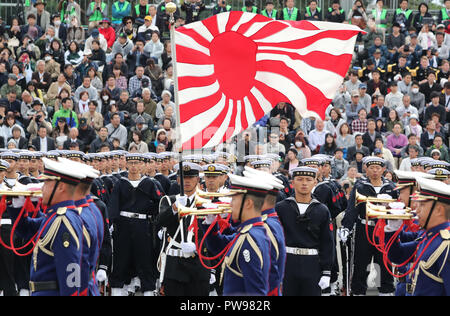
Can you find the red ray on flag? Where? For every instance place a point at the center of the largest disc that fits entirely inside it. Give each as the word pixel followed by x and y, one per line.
pixel 234 67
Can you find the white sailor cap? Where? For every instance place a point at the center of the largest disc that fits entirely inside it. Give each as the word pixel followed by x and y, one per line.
pixel 3 165
pixel 190 169
pixel 371 160
pixel 213 169
pixel 408 178
pixel 239 184
pixel 432 190
pixel 88 173
pixel 438 173
pixel 439 164
pixel 60 171
pixel 313 161
pixel 261 163
pixel 304 172
pixel 270 179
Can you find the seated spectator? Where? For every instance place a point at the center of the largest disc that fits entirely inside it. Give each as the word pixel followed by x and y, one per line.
pixel 360 124
pixel 392 120
pixel 352 176
pixel 112 88
pixel 86 86
pixel 102 138
pixel 341 99
pixel 441 129
pixel 339 165
pixel 96 82
pixel 379 110
pixel 379 61
pixel 108 32
pixel 83 104
pixel 413 152
pixel 430 86
pixel 42 142
pixel 86 134
pixel 73 55
pixel 66 113
pixel 357 162
pixel 301 145
pixel 406 110
pixel 141 127
pixel 20 141
pixel 120 78
pixel 426 38
pixel 149 103
pixel 166 96
pixel 11 85
pixel 55 89
pixel 418 19
pixel 353 82
pixel 393 99
pixel 344 139
pixel 334 123
pixel 154 48
pixel 417 97
pixel 308 124
pixel 427 137
pixel 404 85
pixel 386 154
pixel 396 141
pixel 126 106
pixel 413 126
pixel 60 132
pixel 395 40
pixel 380 126
pixel 329 146
pixel 117 130
pixel 376 85
pixel 9 123
pixel 38 119
pixel 160 140
pixel 73 138
pixel 438 144
pixel 364 98
pixel 123 46
pixel 41 78
pixel 435 107
pixel 93 118
pixel 283 109
pixel 291 160
pixel 357 147
pixel 335 13
pixel 141 146
pixel 274 146
pixel 371 134
pixel 378 45
pixel 352 108
pixel 316 137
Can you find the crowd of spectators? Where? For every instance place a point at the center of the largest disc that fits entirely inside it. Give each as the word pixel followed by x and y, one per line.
pixel 65 86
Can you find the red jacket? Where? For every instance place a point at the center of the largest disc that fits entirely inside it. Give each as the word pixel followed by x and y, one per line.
pixel 109 34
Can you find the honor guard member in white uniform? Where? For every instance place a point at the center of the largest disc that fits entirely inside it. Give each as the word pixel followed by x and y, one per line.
pixel 309 237
pixel 133 203
pixel 181 271
pixel 375 184
pixel 431 275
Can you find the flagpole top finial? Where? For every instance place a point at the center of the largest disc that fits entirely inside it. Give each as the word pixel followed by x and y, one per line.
pixel 171 7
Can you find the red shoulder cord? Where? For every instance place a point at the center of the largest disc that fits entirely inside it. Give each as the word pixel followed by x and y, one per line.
pixel 385 248
pixel 28 205
pixel 199 247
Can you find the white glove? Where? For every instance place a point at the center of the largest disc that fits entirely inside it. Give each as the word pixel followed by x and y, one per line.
pixel 160 234
pixel 18 202
pixel 209 219
pixel 324 282
pixel 393 225
pixel 212 278
pixel 343 234
pixel 180 201
pixel 188 248
pixel 210 205
pixel 101 276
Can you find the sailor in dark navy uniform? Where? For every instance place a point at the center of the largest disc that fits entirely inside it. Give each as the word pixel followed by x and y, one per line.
pixel 133 203
pixel 431 274
pixel 375 184
pixel 309 237
pixel 55 267
pixel 181 272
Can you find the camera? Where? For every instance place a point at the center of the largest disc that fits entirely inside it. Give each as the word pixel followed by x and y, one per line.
pixel 38 117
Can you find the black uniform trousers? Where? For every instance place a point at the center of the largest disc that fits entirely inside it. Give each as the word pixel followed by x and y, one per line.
pixel 302 276
pixel 7 258
pixel 364 252
pixel 132 247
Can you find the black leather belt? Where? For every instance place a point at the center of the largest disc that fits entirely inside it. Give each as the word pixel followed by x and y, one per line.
pixel 43 286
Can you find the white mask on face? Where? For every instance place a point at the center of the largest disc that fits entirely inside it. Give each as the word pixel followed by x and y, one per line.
pixel 57 23
pixel 298 144
pixel 415 90
pixel 105 97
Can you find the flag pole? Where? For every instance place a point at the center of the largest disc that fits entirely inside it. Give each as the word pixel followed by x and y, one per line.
pixel 171 8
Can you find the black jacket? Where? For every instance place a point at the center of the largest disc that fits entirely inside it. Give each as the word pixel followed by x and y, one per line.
pixel 50 143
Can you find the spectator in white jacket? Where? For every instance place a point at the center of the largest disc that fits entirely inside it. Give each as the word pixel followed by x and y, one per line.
pixel 154 48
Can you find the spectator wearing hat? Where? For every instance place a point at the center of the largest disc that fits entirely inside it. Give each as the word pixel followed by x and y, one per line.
pixel 93 118
pixel 147 28
pixel 353 107
pixel 435 107
pixel 379 61
pixel 16 136
pixel 161 105
pixel 95 35
pixel 86 134
pixel 11 85
pixel 395 40
pixel 413 126
pixel 108 32
pixel 141 126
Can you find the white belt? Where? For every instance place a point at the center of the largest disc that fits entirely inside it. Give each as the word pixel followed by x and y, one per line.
pixel 133 215
pixel 5 221
pixel 179 253
pixel 369 222
pixel 302 251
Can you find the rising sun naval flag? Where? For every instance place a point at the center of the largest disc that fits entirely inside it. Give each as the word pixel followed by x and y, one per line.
pixel 234 67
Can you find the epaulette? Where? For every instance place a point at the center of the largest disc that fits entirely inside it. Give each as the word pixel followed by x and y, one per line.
pixel 380 69
pixel 246 229
pixel 445 234
pixel 389 67
pixel 272 238
pixel 361 72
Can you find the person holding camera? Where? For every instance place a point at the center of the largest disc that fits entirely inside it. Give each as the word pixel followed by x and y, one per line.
pixel 193 8
pixel 96 12
pixel 38 120
pixel 221 6
pixel 403 16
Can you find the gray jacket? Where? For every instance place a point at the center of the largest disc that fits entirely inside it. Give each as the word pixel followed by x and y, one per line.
pixel 418 100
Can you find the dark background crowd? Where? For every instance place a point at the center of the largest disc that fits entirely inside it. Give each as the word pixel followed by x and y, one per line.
pixel 78 78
